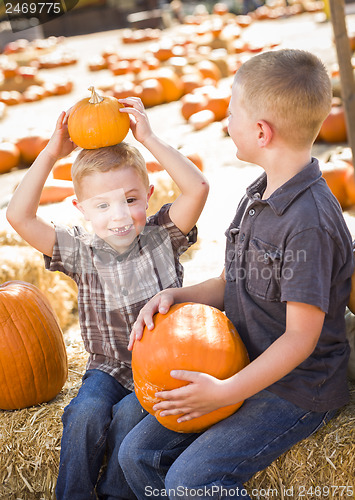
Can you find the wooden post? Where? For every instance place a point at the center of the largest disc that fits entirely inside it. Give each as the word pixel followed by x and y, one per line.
pixel 337 13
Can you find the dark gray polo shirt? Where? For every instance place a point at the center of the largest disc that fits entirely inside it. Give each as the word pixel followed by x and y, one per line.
pixel 294 246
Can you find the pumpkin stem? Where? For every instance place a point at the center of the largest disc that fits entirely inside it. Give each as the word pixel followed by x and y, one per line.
pixel 95 97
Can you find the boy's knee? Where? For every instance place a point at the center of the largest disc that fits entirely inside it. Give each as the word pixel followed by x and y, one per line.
pixel 127 414
pixel 83 412
pixel 127 455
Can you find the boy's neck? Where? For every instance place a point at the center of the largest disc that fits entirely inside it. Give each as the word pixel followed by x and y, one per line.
pixel 281 170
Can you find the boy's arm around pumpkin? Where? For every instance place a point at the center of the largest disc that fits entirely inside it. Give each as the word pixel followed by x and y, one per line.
pixel 22 209
pixel 193 185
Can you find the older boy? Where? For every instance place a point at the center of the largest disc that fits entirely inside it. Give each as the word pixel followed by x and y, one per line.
pixel 285 286
pixel 117 270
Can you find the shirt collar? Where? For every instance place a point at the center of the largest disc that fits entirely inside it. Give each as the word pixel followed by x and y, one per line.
pixel 280 199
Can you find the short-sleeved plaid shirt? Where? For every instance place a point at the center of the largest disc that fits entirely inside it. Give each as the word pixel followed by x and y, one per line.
pixel 113 287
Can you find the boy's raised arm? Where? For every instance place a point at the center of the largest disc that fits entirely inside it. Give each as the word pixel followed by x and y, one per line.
pixel 22 210
pixel 193 185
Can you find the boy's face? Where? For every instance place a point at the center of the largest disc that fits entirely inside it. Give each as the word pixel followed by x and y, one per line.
pixel 241 127
pixel 115 202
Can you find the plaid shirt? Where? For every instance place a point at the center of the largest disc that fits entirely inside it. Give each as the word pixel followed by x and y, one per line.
pixel 113 287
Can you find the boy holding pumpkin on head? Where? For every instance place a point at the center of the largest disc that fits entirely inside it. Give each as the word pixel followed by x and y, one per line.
pixel 117 270
pixel 285 286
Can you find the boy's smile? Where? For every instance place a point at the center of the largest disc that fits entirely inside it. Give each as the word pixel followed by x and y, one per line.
pixel 115 203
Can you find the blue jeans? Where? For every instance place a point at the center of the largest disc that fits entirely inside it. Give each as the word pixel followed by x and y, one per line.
pixel 158 462
pixel 93 426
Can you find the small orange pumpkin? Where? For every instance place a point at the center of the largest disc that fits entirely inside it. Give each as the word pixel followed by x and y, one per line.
pixel 172 85
pixel 152 92
pixel 33 357
pixel 351 304
pixel 30 146
pixel 9 156
pixel 193 337
pixel 336 173
pixel 62 167
pixel 56 190
pixel 96 122
pixel 201 119
pixel 333 128
pixel 192 103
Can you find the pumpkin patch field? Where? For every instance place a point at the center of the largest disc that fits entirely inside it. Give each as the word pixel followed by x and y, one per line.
pixel 183 74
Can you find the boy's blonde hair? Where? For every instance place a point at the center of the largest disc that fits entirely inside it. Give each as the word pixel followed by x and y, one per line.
pixel 288 88
pixel 108 158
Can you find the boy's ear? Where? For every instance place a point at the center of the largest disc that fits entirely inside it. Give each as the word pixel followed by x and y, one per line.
pixel 78 205
pixel 265 133
pixel 149 194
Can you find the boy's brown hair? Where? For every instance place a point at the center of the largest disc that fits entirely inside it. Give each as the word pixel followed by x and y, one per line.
pixel 121 155
pixel 290 89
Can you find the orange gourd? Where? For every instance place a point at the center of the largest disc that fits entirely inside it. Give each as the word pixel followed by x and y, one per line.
pixel 192 103
pixel 30 147
pixel 189 337
pixel 172 85
pixel 336 173
pixel 62 167
pixel 33 358
pixel 201 119
pixel 56 190
pixel 151 92
pixel 218 102
pixel 96 122
pixel 333 128
pixel 9 156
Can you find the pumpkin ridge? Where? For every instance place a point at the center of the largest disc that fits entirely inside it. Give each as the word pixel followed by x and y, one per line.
pixel 11 350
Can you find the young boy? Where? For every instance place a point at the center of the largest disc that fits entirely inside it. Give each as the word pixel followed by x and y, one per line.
pixel 285 286
pixel 117 270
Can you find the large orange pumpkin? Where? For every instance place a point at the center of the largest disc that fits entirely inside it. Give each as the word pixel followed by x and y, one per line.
pixel 189 337
pixel 96 122
pixel 33 358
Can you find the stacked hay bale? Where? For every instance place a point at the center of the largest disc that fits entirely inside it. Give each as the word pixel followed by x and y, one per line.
pixel 21 262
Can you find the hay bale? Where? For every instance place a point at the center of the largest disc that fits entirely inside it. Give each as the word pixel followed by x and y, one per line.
pixel 24 263
pixel 165 191
pixel 31 441
pixel 325 460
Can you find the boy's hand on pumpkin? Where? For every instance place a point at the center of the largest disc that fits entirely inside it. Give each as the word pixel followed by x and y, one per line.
pixel 161 303
pixel 202 395
pixel 60 144
pixel 139 122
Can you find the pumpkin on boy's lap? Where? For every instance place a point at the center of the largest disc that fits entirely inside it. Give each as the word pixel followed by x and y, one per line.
pixel 193 337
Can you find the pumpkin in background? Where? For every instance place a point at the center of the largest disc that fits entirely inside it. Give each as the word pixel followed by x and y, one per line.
pixel 33 357
pixel 96 122
pixel 192 103
pixel 189 337
pixel 336 173
pixel 351 304
pixel 151 92
pixel 56 190
pixel 333 128
pixel 30 147
pixel 172 85
pixel 62 167
pixel 201 119
pixel 9 156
